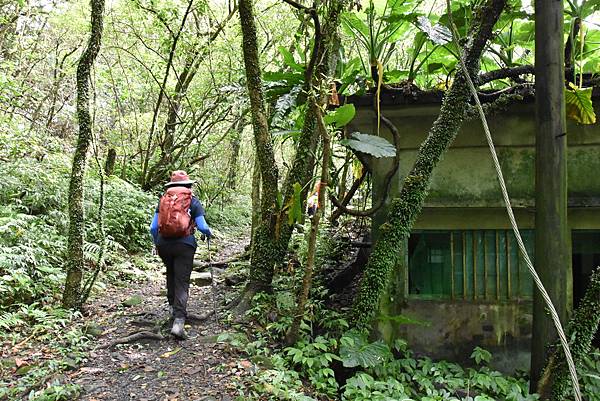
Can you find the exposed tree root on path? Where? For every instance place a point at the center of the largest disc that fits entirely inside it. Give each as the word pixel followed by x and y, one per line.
pixel 152 364
pixel 140 335
pixel 157 325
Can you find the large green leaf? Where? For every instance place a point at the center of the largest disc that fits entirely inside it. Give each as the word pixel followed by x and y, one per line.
pixel 433 67
pixel 341 116
pixel 370 144
pixel 402 6
pixel 579 105
pixel 353 25
pixel 592 64
pixel 288 58
pixel 395 76
pixel 355 351
pixel 590 7
pixel 289 78
pixel 523 31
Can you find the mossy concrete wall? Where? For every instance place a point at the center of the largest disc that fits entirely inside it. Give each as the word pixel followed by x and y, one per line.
pixel 465 194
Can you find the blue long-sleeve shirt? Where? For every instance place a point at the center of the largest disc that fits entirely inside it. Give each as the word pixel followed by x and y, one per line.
pixel 197 213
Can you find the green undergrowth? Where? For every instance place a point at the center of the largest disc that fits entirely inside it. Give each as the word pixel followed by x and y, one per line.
pixel 589 376
pixel 231 218
pixel 332 362
pixel 40 341
pixel 45 344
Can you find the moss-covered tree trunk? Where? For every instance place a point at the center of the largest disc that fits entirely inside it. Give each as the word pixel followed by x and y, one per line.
pixel 552 234
pixel 405 209
pixel 255 197
pixel 555 382
pixel 111 159
pixel 272 234
pixel 75 260
pixel 264 240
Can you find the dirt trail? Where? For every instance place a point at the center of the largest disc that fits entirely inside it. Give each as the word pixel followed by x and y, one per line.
pixel 184 370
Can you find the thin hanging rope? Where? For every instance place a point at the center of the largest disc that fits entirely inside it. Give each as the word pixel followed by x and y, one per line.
pixel 511 216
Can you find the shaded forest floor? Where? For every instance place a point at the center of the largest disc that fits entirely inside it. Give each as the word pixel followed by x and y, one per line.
pixel 197 368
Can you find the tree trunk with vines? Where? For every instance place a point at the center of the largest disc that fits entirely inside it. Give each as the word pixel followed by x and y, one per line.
pixel 265 239
pixel 405 209
pixel 555 382
pixel 75 258
pixel 302 168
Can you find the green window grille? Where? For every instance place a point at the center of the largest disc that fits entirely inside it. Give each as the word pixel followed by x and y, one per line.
pixel 470 264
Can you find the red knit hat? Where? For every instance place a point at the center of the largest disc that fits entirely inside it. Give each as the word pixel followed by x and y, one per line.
pixel 179 177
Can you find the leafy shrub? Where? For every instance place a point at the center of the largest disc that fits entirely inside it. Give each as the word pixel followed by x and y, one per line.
pixel 387 378
pixel 232 215
pixel 31 259
pixel 40 188
pixel 314 360
pixel 34 179
pixel 128 213
pixel 39 379
pixel 590 376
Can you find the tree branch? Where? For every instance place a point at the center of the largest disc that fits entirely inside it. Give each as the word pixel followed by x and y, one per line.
pixel 348 197
pixel 502 73
pixel 387 180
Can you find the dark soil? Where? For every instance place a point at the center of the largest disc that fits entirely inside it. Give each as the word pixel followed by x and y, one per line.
pixel 197 368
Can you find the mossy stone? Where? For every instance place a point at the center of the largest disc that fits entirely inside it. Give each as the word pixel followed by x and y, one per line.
pixel 92 329
pixel 23 370
pixel 133 301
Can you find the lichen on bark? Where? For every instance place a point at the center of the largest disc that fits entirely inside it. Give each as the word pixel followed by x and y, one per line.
pixel 407 206
pixel 264 242
pixel 555 383
pixel 76 235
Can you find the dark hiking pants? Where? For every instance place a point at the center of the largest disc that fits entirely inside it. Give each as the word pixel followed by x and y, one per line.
pixel 178 258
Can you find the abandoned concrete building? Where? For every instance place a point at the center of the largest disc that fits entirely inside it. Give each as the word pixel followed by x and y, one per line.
pixel 463 276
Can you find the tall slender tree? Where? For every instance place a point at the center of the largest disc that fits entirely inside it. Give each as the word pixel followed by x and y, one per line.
pixel 322 62
pixel 264 240
pixel 552 235
pixel 75 259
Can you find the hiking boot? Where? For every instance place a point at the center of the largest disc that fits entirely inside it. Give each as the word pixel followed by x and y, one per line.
pixel 177 329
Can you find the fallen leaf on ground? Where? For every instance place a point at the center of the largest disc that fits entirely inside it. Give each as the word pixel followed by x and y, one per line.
pixel 20 362
pixel 171 353
pixel 193 371
pixel 87 369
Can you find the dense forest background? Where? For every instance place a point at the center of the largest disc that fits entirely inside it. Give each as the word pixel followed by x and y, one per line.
pixel 252 100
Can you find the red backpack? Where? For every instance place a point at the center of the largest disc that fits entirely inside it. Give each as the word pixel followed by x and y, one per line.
pixel 174 219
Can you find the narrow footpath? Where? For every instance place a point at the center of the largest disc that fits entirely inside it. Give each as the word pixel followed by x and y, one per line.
pixel 155 368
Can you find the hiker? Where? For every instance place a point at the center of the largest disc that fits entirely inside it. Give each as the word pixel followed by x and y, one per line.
pixel 172 228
